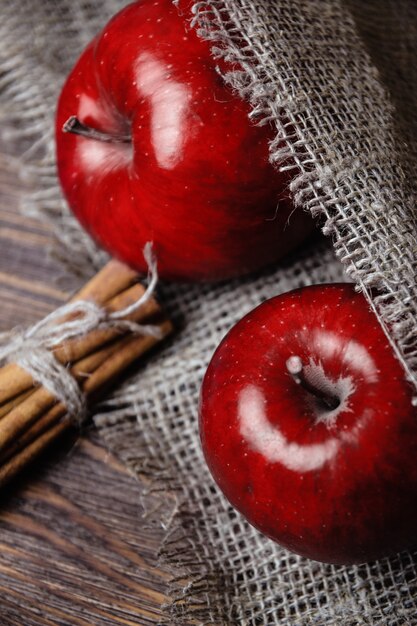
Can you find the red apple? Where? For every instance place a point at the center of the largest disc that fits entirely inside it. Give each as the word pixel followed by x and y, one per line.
pixel 308 428
pixel 160 150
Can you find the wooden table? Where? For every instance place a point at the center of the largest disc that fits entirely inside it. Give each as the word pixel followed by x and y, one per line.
pixel 73 547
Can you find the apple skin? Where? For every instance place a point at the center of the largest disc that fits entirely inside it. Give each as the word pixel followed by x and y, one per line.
pixel 338 486
pixel 193 175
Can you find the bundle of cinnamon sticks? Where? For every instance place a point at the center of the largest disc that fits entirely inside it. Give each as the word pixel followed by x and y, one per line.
pixel 31 418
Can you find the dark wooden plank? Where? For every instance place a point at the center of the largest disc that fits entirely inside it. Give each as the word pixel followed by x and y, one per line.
pixel 74 549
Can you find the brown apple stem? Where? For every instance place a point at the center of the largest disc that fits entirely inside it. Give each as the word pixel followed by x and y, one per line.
pixel 73 125
pixel 295 367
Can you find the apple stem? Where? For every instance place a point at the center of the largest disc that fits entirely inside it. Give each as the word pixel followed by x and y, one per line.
pixel 296 369
pixel 73 125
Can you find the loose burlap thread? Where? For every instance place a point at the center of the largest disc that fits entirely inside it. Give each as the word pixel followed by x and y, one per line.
pixel 338 80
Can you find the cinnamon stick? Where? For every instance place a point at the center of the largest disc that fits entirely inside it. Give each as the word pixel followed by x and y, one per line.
pixel 54 422
pixel 51 417
pixel 98 370
pixel 25 413
pixel 33 406
pixel 30 416
pixel 75 349
pixel 14 380
pixel 10 469
pixel 11 404
pixel 112 279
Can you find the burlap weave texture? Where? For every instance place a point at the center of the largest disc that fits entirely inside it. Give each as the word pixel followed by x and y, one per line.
pixel 310 68
pixel 338 80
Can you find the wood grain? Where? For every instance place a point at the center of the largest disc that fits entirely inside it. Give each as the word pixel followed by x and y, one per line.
pixel 72 545
pixel 74 549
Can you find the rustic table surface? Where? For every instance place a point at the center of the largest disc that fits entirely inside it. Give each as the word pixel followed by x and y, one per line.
pixel 73 548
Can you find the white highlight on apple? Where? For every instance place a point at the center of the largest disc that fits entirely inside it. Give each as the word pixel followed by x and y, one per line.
pixel 268 439
pixel 88 107
pixel 272 443
pixel 352 354
pixel 99 157
pixel 169 100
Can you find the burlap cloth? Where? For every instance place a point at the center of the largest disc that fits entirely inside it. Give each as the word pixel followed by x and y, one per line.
pixel 338 79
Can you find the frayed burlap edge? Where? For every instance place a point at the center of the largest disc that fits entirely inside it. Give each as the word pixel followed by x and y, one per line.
pixel 332 190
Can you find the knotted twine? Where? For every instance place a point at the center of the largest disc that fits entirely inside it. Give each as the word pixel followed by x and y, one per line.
pixel 338 80
pixel 33 348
